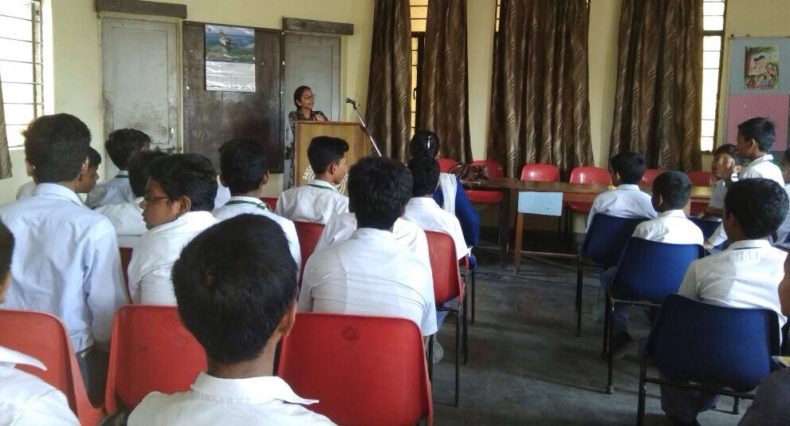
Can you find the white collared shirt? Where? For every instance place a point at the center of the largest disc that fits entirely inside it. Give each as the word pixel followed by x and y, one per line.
pixel 370 274
pixel 127 219
pixel 26 399
pixel 25 190
pixel 763 167
pixel 717 197
pixel 66 262
pixel 315 202
pixel 745 275
pixel 784 228
pixel 671 227
pixel 250 205
pixel 157 251
pixel 214 401
pixel 114 191
pixel 424 212
pixel 626 201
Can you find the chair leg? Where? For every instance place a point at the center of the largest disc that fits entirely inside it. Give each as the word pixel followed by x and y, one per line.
pixel 430 358
pixel 579 283
pixel 640 412
pixel 736 409
pixel 457 354
pixel 466 332
pixel 473 297
pixel 610 354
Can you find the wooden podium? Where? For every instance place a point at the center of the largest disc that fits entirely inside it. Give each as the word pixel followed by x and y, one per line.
pixel 358 144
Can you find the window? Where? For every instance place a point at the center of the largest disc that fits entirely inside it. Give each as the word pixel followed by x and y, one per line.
pixel 419 18
pixel 712 42
pixel 21 68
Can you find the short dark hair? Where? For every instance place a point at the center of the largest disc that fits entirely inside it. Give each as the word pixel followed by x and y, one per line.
pixel 242 165
pixel 378 189
pixel 759 204
pixel 425 175
pixel 424 142
pixel 325 150
pixel 728 149
pixel 234 282
pixel 629 165
pixel 6 250
pixel 298 94
pixel 94 158
pixel 122 143
pixel 139 164
pixel 761 129
pixel 190 175
pixel 674 187
pixel 56 146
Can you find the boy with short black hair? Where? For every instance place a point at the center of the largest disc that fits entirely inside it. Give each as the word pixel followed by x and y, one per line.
pixel 121 144
pixel 177 205
pixel 724 165
pixel 627 200
pixel 755 138
pixel 243 169
pixel 238 307
pixel 85 184
pixel 319 200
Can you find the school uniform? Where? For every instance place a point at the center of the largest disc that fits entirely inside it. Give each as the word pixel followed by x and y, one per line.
pixel 66 262
pixel 156 252
pixel 115 190
pixel 223 195
pixel 26 399
pixel 717 196
pixel 424 212
pixel 250 205
pixel 315 202
pixel 626 201
pixel 370 274
pixel 127 219
pixel 25 190
pixel 265 400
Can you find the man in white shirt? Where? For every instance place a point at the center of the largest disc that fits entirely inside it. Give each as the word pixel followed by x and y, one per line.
pixel 742 276
pixel 627 200
pixel 243 169
pixel 66 261
pixel 371 273
pixel 319 200
pixel 179 198
pixel 121 144
pixel 238 307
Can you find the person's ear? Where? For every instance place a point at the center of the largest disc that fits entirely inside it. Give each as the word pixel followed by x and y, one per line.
pixel 332 168
pixel 184 205
pixel 287 321
pixel 265 178
pixel 656 200
pixel 4 284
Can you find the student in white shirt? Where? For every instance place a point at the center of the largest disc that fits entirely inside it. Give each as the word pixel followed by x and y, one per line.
pixel 243 169
pixel 742 276
pixel 627 200
pixel 319 200
pixel 784 229
pixel 723 166
pixel 179 198
pixel 66 261
pixel 371 273
pixel 236 288
pixel 85 183
pixel 121 144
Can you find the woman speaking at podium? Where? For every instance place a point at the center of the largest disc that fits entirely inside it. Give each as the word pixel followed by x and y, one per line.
pixel 303 100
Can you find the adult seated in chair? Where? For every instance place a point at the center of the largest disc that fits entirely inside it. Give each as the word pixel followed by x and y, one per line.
pixel 742 276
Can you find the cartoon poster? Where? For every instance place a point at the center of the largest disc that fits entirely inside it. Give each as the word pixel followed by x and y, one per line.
pixel 230 58
pixel 761 67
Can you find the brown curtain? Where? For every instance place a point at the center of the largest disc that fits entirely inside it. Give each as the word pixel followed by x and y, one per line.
pixel 444 88
pixel 389 77
pixel 540 111
pixel 657 106
pixel 5 158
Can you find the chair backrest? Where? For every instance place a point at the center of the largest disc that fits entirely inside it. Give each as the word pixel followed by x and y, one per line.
pixel 270 201
pixel 44 337
pixel 150 351
pixel 362 370
pixel 126 257
pixel 539 172
pixel 713 344
pixel 493 169
pixel 651 175
pixel 445 164
pixel 702 178
pixel 590 175
pixel 447 282
pixel 708 227
pixel 607 236
pixel 308 234
pixel 650 270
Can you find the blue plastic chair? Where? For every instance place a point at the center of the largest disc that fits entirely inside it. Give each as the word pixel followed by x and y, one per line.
pixel 603 244
pixel 708 347
pixel 708 227
pixel 647 273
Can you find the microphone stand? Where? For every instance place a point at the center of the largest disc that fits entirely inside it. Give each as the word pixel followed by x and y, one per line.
pixel 365 128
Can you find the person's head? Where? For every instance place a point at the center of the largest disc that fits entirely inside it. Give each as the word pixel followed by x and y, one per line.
pixel 725 158
pixel 178 184
pixel 786 165
pixel 628 167
pixel 87 179
pixel 425 175
pixel 235 304
pixel 242 166
pixel 303 98
pixel 56 146
pixel 138 170
pixel 756 136
pixel 6 254
pixel 327 156
pixel 378 190
pixel 424 142
pixel 123 143
pixel 754 208
pixel 671 191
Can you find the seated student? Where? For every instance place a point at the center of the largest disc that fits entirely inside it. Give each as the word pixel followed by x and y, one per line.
pixel 724 165
pixel 121 145
pixel 127 218
pixel 24 398
pixel 85 183
pixel 179 197
pixel 243 170
pixel 67 261
pixel 784 229
pixel 319 200
pixel 370 273
pixel 26 189
pixel 627 200
pixel 238 308
pixel 742 276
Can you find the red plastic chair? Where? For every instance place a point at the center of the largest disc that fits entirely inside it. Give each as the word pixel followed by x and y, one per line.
pixel 651 175
pixel 445 164
pixel 362 370
pixel 493 170
pixel 702 178
pixel 540 172
pixel 150 351
pixel 588 175
pixel 271 202
pixel 308 233
pixel 44 337
pixel 126 257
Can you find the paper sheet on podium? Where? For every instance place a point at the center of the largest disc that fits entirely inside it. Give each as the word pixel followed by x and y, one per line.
pixel 542 203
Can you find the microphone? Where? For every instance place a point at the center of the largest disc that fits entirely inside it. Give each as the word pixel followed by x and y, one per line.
pixel 352 102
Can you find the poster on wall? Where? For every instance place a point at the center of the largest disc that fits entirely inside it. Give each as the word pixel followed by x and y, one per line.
pixel 230 58
pixel 761 67
pixel 757 66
